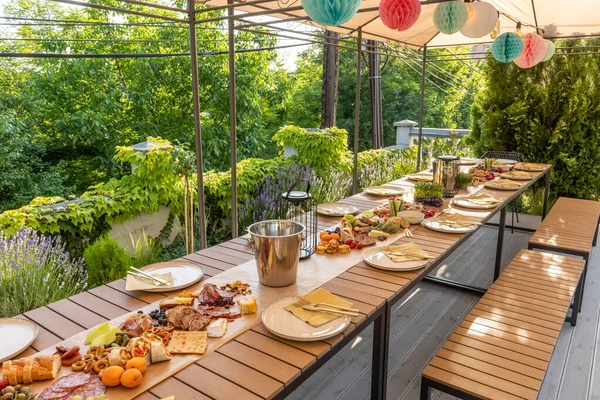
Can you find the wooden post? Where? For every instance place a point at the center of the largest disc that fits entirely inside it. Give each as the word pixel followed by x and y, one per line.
pixel 375 87
pixel 331 67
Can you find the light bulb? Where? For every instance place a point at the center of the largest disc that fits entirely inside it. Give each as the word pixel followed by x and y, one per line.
pixel 518 30
pixel 496 31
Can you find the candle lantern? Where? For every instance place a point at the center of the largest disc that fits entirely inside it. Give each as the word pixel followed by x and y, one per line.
pixel 300 206
pixel 445 171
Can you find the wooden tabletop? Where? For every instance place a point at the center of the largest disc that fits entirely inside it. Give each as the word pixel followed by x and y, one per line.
pixel 256 364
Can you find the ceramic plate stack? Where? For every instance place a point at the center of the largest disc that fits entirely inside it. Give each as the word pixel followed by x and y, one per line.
pixel 336 209
pixel 384 191
pixel 16 335
pixel 376 258
pixel 184 274
pixel 530 167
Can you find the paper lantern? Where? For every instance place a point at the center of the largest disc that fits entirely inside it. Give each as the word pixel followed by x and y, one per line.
pixel 450 17
pixel 550 51
pixel 483 20
pixel 399 14
pixel 507 47
pixel 534 51
pixel 331 12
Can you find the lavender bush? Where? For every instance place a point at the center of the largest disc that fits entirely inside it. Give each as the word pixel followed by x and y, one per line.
pixel 35 270
pixel 331 187
pixel 392 165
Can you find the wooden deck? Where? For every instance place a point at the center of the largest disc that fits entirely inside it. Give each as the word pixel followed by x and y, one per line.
pixel 429 314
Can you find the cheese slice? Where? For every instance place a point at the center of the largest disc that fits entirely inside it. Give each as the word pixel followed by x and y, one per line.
pixel 248 305
pixel 217 328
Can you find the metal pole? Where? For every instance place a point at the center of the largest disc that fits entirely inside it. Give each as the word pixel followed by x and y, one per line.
pixel 232 121
pixel 421 110
pixel 500 243
pixel 357 113
pixel 546 194
pixel 197 128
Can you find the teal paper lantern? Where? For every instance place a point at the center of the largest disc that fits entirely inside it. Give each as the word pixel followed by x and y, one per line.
pixel 507 47
pixel 331 12
pixel 551 50
pixel 450 17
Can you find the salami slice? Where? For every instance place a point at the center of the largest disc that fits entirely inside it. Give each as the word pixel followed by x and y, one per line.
pixel 65 388
pixel 70 382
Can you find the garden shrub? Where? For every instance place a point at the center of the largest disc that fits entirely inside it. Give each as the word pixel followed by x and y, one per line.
pixel 36 270
pixel 106 261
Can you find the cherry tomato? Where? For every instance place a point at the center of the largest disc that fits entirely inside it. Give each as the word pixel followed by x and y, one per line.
pixel 3 383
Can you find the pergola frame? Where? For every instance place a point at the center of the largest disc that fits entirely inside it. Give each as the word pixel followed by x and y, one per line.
pixel 191 21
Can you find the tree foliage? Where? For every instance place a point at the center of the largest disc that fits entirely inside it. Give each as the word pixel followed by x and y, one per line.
pixel 550 113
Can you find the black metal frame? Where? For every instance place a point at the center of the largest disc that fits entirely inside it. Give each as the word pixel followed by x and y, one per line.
pixel 428 384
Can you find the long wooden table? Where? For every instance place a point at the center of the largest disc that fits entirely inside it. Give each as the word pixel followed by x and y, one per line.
pixel 257 364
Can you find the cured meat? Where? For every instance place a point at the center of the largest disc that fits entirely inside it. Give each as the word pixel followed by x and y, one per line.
pixel 187 318
pixel 229 312
pixel 65 388
pixel 136 324
pixel 212 296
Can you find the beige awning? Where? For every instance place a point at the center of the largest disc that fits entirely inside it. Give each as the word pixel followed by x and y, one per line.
pixel 566 18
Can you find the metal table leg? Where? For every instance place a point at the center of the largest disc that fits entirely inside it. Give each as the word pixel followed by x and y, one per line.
pixel 500 244
pixel 381 332
pixel 546 194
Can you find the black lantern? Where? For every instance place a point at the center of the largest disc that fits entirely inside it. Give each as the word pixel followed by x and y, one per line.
pixel 301 207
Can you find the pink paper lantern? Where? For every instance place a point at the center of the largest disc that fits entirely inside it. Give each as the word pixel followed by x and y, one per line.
pixel 534 51
pixel 399 14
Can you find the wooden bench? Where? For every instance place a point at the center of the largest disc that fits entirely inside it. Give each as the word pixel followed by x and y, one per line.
pixel 503 347
pixel 571 227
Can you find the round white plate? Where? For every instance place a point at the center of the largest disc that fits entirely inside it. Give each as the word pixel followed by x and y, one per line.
pixel 336 209
pixel 412 217
pixel 15 336
pixel 436 226
pixel 467 204
pixel 468 161
pixel 509 175
pixel 420 177
pixel 183 274
pixel 531 168
pixel 384 191
pixel 283 323
pixel 375 258
pixel 506 161
pixel 494 185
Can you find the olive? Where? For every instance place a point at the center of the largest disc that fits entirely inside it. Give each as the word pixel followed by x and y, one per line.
pixel 18 387
pixel 140 312
pixel 8 396
pixel 21 396
pixel 26 390
pixel 9 389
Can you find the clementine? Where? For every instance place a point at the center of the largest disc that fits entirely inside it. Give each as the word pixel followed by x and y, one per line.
pixel 138 363
pixel 131 378
pixel 111 376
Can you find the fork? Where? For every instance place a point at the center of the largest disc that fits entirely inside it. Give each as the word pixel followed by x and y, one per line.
pixel 155 283
pixel 330 310
pixel 408 233
pixel 303 302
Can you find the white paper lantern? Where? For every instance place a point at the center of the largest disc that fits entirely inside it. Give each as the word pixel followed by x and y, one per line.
pixel 551 50
pixel 483 20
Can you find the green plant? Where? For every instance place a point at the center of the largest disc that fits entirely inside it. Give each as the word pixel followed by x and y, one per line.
pixel 425 189
pixel 463 180
pixel 532 201
pixel 146 251
pixel 36 270
pixel 106 261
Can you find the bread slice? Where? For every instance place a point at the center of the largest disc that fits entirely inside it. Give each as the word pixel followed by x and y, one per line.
pixel 6 368
pixel 27 378
pixel 12 376
pixel 35 369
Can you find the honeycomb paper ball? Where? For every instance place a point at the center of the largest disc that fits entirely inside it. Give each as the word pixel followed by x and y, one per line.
pixel 331 12
pixel 399 14
pixel 550 52
pixel 507 47
pixel 534 51
pixel 482 21
pixel 450 17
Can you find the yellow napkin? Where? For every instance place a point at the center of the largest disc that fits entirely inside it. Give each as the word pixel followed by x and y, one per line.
pixel 456 220
pixel 393 252
pixel 136 283
pixel 482 199
pixel 421 177
pixel 506 183
pixel 318 318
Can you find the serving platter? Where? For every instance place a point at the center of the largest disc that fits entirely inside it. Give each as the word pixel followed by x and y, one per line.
pixel 16 335
pixel 384 191
pixel 284 324
pixel 497 186
pixel 463 202
pixel 376 258
pixel 183 274
pixel 336 209
pixel 530 167
pixel 511 175
pixel 436 226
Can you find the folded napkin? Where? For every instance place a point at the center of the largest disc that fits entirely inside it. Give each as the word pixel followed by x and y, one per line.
pixel 532 165
pixel 519 173
pixel 482 199
pixel 506 183
pixel 456 220
pixel 318 318
pixel 397 253
pixel 137 283
pixel 421 177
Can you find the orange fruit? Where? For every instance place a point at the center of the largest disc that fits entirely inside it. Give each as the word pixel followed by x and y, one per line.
pixel 335 236
pixel 131 378
pixel 326 237
pixel 111 376
pixel 138 363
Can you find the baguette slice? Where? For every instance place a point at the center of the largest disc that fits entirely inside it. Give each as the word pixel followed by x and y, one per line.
pixel 6 368
pixel 27 378
pixel 35 369
pixel 12 376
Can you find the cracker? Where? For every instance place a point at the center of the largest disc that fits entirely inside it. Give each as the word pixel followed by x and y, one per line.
pixel 185 342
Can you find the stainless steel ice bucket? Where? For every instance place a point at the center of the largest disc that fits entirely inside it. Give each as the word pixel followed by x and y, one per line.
pixel 276 246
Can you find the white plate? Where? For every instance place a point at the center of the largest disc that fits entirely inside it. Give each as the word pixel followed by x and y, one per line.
pixel 336 209
pixel 436 226
pixel 375 258
pixel 494 185
pixel 537 168
pixel 384 191
pixel 15 336
pixel 506 161
pixel 420 177
pixel 412 217
pixel 468 161
pixel 183 274
pixel 509 175
pixel 283 323
pixel 461 202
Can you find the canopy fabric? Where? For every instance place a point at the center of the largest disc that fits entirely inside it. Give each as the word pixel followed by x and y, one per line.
pixel 566 18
